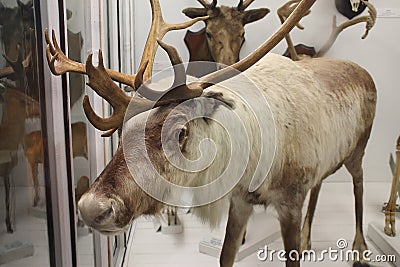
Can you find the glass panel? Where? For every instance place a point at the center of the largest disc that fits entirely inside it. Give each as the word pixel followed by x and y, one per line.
pixel 76 42
pixel 120 53
pixel 24 235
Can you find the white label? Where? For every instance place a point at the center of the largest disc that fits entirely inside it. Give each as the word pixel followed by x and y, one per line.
pixel 388 12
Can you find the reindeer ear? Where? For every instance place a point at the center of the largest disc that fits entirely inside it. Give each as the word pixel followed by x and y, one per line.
pixel 227 101
pixel 254 15
pixel 193 12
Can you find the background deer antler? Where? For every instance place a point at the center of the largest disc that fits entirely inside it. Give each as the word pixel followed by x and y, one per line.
pixel 287 9
pixel 283 14
pixel 369 20
pixel 243 6
pixel 208 5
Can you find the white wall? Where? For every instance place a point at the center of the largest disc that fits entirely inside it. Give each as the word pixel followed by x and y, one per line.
pixel 379 54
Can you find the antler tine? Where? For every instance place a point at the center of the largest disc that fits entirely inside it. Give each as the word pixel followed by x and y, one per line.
pixel 204 3
pixel 159 28
pixel 179 89
pixel 369 20
pixel 102 84
pixel 243 6
pixel 260 52
pixel 59 63
pixel 177 63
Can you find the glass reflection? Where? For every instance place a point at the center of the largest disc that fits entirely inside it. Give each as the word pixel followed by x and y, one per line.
pixel 23 237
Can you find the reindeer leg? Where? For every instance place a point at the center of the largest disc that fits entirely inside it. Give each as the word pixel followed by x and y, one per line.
pixel 290 221
pixel 306 231
pixel 8 204
pixel 239 213
pixel 354 166
pixel 390 212
pixel 34 171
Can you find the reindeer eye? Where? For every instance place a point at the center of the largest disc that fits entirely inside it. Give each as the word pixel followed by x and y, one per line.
pixel 209 36
pixel 182 135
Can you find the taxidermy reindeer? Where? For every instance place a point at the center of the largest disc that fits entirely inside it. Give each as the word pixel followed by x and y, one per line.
pixel 223 37
pixel 323 111
pixel 283 13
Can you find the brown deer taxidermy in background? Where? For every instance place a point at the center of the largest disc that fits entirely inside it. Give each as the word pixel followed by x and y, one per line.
pixel 33 147
pixel 315 117
pixel 223 37
pixel 16 109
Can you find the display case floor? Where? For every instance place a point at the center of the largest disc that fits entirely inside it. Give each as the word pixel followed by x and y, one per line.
pixel 33 229
pixel 334 220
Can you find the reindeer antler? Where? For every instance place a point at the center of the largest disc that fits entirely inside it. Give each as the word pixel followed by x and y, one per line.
pixel 369 20
pixel 179 89
pixel 59 63
pixel 195 89
pixel 100 81
pixel 208 5
pixel 100 78
pixel 157 31
pixel 243 6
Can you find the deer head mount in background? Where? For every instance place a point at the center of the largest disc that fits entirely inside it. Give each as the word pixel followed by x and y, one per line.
pixel 223 36
pixel 350 8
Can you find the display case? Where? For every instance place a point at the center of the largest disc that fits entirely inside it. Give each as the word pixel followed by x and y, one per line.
pixel 48 154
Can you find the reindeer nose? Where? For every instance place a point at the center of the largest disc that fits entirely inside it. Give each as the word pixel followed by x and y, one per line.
pixel 97 212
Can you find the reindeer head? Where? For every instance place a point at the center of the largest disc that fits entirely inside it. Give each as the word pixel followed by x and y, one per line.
pixel 115 198
pixel 225 27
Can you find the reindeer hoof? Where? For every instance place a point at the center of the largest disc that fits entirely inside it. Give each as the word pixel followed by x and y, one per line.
pixel 390 231
pixel 360 264
pixel 244 238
